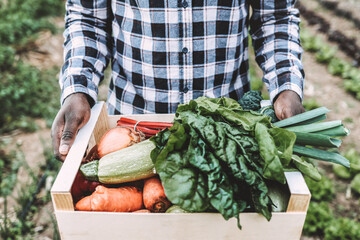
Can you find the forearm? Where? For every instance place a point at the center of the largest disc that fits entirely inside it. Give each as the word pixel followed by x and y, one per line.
pixel 86 48
pixel 274 29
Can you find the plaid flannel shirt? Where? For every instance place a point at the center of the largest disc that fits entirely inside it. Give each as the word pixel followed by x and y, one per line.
pixel 164 53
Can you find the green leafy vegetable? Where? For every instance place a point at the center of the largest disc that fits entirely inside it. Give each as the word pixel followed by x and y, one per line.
pixel 218 156
pixel 251 100
pixel 306 168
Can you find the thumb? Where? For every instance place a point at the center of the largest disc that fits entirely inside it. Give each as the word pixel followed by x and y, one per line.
pixel 68 136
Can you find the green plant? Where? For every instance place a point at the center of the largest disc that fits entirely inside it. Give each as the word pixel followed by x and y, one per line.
pixel 354 158
pixel 341 171
pixel 355 183
pixel 325 54
pixel 322 190
pixel 318 217
pixel 310 104
pixel 342 229
pixel 27 92
pixel 336 66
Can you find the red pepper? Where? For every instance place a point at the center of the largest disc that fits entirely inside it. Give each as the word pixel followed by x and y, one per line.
pixel 82 187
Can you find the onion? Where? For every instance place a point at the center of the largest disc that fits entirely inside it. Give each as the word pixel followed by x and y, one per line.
pixel 118 138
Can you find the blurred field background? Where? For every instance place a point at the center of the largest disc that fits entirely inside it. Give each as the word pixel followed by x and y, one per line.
pixel 30 59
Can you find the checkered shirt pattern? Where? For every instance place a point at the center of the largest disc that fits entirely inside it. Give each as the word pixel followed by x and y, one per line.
pixel 167 52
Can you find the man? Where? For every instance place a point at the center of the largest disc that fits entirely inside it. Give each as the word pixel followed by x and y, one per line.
pixel 164 53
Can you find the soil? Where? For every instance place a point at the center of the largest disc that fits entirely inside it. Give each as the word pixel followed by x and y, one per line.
pixel 320 85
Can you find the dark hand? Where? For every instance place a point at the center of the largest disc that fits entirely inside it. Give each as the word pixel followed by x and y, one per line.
pixel 288 104
pixel 74 114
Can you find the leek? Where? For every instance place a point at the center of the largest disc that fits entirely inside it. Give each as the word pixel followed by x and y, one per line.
pixel 314 139
pixel 321 155
pixel 315 127
pixel 306 117
pixel 339 131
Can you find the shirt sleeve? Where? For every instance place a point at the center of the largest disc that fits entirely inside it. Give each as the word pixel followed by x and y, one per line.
pixel 87 47
pixel 274 28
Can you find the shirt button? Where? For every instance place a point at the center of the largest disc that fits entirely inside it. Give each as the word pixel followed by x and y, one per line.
pixel 185 50
pixel 186 89
pixel 185 4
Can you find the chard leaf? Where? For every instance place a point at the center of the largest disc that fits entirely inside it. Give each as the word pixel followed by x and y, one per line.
pixel 273 169
pixel 306 168
pixel 284 141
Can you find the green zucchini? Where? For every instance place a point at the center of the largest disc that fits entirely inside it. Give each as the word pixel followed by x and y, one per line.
pixel 125 165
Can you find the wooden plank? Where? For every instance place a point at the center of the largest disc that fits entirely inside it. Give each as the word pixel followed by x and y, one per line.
pixel 102 124
pixel 298 203
pixel 62 201
pixel 297 184
pixel 60 191
pixel 300 195
pixel 177 226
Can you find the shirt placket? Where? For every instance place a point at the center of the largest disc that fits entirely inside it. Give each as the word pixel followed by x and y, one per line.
pixel 187 51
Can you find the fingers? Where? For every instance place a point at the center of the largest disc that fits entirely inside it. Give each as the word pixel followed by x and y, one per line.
pixel 72 125
pixel 56 132
pixel 288 104
pixel 73 115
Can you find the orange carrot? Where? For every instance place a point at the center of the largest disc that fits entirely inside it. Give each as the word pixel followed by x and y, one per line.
pixel 118 138
pixel 123 199
pixel 154 195
pixel 142 211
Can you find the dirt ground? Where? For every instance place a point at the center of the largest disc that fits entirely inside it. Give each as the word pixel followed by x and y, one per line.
pixel 320 85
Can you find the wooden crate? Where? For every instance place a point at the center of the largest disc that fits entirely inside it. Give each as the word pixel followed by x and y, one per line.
pixel 195 226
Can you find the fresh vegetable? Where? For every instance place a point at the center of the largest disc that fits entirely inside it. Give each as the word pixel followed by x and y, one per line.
pixel 82 187
pixel 176 209
pixel 306 167
pixel 251 100
pixel 279 195
pixel 308 117
pixel 117 138
pixel 321 155
pixel 154 196
pixel 125 165
pixel 148 128
pixel 220 155
pixel 123 199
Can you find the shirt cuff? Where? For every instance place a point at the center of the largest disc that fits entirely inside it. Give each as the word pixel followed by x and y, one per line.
pixel 78 88
pixel 289 82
